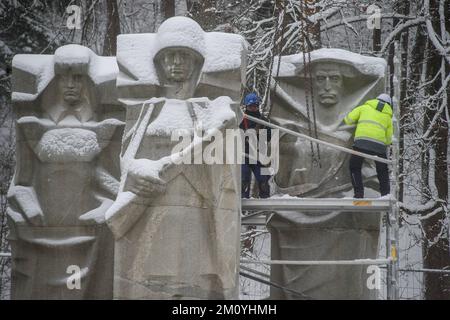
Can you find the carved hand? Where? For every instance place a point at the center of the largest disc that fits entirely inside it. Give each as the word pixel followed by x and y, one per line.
pixel 97 215
pixel 144 177
pixel 144 186
pixel 25 199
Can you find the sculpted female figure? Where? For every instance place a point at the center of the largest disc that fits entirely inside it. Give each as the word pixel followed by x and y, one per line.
pixel 65 180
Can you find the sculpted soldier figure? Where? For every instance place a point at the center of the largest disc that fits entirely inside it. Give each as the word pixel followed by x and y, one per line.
pixel 176 224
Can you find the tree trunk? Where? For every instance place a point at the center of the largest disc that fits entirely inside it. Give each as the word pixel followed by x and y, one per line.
pixel 436 254
pixel 376 42
pixel 168 8
pixel 391 55
pixel 404 8
pixel 204 12
pixel 313 30
pixel 436 245
pixel 416 65
pixel 112 28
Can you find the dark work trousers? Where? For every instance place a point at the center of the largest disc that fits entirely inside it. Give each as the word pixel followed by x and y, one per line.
pixel 357 180
pixel 262 180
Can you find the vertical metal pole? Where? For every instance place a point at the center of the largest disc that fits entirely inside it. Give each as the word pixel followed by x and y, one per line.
pixel 394 214
pixel 388 254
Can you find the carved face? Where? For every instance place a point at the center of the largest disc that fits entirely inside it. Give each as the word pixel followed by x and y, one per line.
pixel 178 64
pixel 71 85
pixel 328 84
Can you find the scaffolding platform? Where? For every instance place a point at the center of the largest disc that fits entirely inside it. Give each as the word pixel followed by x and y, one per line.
pixel 266 206
pixel 315 204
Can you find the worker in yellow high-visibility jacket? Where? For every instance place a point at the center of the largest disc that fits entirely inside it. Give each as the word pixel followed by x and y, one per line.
pixel 373 135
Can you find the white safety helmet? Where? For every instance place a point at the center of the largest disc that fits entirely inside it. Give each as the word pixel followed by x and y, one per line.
pixel 385 98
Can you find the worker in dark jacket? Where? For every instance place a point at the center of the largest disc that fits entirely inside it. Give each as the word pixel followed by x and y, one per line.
pixel 373 135
pixel 252 102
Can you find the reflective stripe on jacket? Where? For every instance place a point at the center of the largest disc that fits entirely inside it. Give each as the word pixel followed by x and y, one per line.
pixel 373 122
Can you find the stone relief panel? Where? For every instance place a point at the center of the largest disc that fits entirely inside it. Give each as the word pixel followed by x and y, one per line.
pixel 314 100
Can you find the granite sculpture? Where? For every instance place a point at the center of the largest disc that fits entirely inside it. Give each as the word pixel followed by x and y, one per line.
pixel 176 224
pixel 68 135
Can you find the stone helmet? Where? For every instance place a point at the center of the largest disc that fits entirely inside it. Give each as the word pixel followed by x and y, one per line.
pixel 72 57
pixel 181 32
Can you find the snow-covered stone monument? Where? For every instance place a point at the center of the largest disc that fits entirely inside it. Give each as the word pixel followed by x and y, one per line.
pixel 68 137
pixel 332 84
pixel 176 224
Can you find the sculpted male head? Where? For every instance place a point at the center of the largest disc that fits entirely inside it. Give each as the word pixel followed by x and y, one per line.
pixel 328 83
pixel 177 64
pixel 180 50
pixel 70 85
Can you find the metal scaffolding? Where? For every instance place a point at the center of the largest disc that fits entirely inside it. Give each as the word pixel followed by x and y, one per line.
pixel 363 206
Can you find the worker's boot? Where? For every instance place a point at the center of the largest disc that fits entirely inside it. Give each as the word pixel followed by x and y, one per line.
pixel 264 189
pixel 358 195
pixel 245 192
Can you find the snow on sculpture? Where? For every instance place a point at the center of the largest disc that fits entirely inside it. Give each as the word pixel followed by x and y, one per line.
pixel 176 225
pixel 68 137
pixel 341 80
